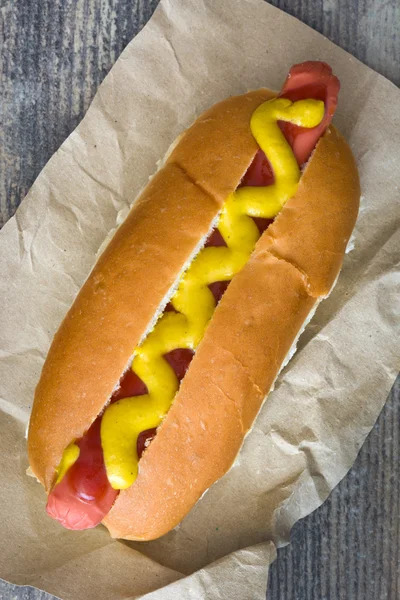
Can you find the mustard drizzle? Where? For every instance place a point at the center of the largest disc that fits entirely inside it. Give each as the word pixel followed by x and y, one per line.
pixel 69 457
pixel 124 420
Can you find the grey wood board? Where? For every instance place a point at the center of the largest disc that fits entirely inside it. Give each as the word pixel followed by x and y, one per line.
pixel 53 56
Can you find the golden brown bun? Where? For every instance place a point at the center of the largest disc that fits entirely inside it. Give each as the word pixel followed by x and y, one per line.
pixel 313 229
pixel 252 330
pixel 129 281
pixel 221 394
pixel 295 262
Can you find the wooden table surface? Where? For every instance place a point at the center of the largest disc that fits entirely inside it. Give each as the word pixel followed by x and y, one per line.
pixel 53 56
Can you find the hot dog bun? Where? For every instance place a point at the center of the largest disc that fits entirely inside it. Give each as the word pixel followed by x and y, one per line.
pixel 137 270
pixel 294 265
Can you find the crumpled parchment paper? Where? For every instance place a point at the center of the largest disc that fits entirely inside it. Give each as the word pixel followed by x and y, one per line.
pixel 191 54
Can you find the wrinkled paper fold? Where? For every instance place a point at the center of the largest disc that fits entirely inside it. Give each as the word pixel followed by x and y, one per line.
pixel 191 54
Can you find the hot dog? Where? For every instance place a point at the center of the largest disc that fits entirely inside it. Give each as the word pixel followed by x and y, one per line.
pixel 164 359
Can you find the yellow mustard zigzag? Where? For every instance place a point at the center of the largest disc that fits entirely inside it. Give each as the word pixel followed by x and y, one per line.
pixel 125 419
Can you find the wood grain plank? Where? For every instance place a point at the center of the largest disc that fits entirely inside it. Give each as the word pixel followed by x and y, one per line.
pixel 53 56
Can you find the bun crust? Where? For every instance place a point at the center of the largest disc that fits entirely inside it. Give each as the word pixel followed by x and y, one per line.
pixel 296 262
pixel 137 269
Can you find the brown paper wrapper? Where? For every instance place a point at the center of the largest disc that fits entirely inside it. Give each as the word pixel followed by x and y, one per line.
pixel 191 54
